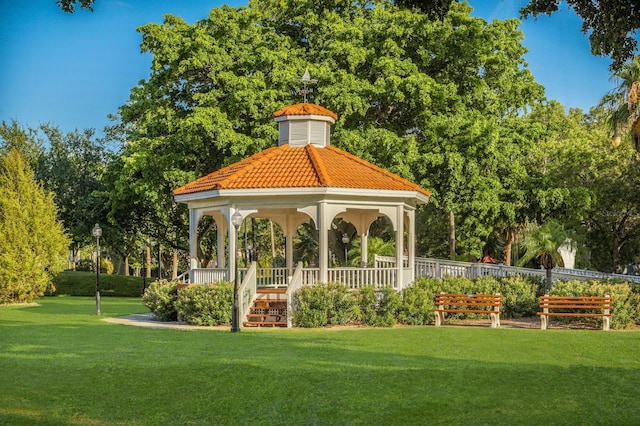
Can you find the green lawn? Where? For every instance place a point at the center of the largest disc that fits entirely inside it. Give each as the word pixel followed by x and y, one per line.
pixel 62 365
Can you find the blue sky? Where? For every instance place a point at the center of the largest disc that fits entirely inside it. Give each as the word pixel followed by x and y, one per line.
pixel 74 70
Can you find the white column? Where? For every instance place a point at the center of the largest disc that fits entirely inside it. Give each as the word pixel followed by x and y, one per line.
pixel 412 245
pixel 364 249
pixel 194 218
pixel 323 242
pixel 399 244
pixel 221 255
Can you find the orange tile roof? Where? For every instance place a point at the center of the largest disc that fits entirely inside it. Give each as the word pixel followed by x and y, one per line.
pixel 305 109
pixel 304 167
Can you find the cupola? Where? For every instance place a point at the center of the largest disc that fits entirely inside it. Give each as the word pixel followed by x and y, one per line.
pixel 304 124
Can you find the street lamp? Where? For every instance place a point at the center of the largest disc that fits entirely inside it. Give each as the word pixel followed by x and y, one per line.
pixel 97 232
pixel 143 269
pixel 236 221
pixel 345 242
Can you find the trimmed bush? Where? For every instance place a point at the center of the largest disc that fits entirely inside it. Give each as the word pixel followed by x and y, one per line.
pixel 205 304
pixel 89 265
pixel 74 283
pixel 379 307
pixel 519 296
pixel 160 298
pixel 417 304
pixel 324 304
pixel 626 300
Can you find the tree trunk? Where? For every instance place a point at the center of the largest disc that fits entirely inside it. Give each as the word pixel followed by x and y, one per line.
pixel 148 262
pixel 174 265
pixel 452 235
pixel 511 237
pixel 548 281
pixel 126 266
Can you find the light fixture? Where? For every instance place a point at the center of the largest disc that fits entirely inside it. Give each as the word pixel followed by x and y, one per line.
pixel 97 232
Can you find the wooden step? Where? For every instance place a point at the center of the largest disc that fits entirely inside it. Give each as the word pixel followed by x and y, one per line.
pixel 271 290
pixel 264 324
pixel 267 312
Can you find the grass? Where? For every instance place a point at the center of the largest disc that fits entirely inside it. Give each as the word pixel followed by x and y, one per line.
pixel 62 365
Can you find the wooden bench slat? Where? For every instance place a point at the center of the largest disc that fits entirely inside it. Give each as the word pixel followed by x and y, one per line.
pixel 572 304
pixel 479 304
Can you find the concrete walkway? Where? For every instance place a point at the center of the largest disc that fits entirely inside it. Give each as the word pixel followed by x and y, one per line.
pixel 147 320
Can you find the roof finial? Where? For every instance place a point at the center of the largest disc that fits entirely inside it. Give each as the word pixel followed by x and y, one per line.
pixel 306 80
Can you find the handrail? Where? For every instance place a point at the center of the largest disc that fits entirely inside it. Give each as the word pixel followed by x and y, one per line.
pixel 182 278
pixel 247 291
pixel 296 283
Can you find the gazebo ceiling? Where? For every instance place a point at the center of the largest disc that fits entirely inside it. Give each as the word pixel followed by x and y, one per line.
pixel 301 167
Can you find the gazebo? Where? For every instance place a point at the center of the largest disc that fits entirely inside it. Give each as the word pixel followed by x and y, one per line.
pixel 303 179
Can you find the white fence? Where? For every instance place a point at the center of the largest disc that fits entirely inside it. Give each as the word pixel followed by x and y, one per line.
pixel 439 268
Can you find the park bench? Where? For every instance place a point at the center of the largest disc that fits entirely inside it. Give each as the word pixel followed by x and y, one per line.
pixel 570 306
pixel 479 304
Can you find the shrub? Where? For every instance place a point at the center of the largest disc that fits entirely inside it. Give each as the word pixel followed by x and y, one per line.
pixel 324 304
pixel 518 296
pixel 73 283
pixel 626 300
pixel 160 297
pixel 85 265
pixel 343 307
pixel 206 304
pixel 417 303
pixel 106 266
pixel 89 265
pixel 379 307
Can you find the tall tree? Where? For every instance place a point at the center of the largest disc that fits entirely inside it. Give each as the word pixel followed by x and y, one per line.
pixel 425 98
pixel 622 103
pixel 611 24
pixel 72 169
pixel 34 246
pixel 27 141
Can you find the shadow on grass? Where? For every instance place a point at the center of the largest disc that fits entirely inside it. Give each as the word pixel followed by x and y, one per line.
pixel 99 373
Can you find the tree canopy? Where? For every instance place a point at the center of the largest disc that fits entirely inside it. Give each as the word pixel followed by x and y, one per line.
pixel 611 25
pixel 422 97
pixel 69 6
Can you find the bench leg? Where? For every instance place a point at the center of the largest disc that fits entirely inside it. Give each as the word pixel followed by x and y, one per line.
pixel 439 318
pixel 495 320
pixel 543 322
pixel 605 323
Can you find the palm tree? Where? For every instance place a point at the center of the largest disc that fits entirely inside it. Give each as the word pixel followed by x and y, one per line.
pixel 375 246
pixel 621 103
pixel 543 242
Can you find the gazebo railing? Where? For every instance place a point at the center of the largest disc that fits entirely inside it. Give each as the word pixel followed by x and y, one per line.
pixel 210 275
pixel 364 277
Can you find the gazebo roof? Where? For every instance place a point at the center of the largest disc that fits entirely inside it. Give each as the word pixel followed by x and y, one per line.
pixel 301 167
pixel 304 109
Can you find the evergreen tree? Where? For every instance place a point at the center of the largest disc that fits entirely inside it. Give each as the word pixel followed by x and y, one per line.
pixel 33 245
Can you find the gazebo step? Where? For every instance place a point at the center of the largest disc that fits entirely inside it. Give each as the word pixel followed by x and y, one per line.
pixel 267 290
pixel 267 313
pixel 265 324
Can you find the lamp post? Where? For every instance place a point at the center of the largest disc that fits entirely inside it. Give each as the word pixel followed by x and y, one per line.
pixel 97 232
pixel 345 242
pixel 143 269
pixel 236 221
